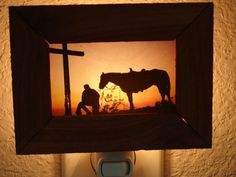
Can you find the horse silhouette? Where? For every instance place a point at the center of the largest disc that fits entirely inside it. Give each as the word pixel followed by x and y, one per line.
pixel 133 82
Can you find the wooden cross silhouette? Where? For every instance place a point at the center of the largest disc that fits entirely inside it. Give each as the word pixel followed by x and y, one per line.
pixel 65 53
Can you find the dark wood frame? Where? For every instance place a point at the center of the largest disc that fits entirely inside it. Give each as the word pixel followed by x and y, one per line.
pixel 191 24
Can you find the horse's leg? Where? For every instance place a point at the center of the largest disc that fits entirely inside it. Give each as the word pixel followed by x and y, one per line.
pixel 163 97
pixel 167 92
pixel 168 95
pixel 130 97
pixel 162 92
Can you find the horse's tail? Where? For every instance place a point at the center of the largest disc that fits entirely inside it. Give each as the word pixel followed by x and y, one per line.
pixel 168 87
pixel 163 82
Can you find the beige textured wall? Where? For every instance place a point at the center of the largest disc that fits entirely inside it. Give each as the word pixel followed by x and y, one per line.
pixel 10 164
pixel 219 161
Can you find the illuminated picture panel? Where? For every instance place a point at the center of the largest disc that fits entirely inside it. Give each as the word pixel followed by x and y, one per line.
pixel 101 81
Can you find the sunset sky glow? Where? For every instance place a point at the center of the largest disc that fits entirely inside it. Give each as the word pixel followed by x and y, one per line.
pixel 110 57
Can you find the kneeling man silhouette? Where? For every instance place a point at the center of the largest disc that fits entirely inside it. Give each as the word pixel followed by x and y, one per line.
pixel 90 97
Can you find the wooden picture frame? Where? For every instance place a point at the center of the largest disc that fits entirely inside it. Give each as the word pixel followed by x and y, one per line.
pixel 33 27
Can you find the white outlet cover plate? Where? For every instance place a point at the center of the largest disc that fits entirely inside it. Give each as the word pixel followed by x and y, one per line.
pixel 148 164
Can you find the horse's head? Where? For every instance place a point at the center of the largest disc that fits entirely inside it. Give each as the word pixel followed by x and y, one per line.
pixel 103 81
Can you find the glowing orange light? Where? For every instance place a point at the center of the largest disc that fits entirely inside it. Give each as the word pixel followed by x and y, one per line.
pixel 111 57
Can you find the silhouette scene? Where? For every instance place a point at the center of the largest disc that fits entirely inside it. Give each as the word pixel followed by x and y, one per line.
pixel 133 82
pixel 107 78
